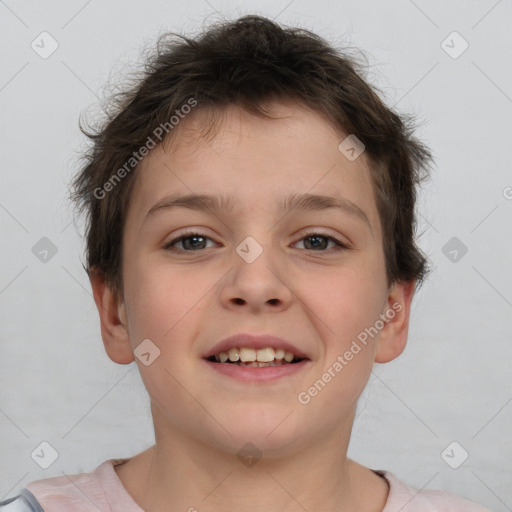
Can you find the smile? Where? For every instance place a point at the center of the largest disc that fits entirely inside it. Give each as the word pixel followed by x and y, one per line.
pixel 255 358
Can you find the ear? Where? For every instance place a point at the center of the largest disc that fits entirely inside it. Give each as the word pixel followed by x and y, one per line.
pixel 113 320
pixel 393 336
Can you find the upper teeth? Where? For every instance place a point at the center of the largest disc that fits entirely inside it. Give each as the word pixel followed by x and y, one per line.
pixel 263 355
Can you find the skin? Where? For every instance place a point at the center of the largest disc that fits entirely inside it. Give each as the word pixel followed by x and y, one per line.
pixel 185 302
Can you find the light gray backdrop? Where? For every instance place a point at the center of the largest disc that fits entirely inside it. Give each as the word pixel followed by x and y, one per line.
pixel 454 381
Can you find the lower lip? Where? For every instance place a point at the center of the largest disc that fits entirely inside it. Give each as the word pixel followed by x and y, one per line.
pixel 259 374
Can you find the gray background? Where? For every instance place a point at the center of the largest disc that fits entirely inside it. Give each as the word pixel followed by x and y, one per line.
pixel 454 381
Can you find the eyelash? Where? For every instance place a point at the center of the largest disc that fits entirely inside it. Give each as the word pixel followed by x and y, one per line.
pixel 339 245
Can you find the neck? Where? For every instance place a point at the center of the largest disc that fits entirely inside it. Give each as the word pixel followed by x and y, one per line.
pixel 180 473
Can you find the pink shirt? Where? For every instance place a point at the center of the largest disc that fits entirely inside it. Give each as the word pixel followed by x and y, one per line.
pixel 103 490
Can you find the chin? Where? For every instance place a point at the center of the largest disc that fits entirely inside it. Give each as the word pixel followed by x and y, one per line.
pixel 270 429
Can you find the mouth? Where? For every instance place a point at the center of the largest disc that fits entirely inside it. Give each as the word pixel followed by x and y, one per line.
pixel 255 358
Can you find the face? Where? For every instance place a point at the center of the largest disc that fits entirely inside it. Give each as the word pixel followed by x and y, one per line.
pixel 313 276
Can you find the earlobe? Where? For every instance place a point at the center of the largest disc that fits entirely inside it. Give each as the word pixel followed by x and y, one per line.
pixel 113 320
pixel 393 336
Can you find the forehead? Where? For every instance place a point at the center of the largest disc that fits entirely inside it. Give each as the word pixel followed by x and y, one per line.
pixel 257 162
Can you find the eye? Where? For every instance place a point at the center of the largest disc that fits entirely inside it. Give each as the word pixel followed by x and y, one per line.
pixel 196 241
pixel 319 242
pixel 189 242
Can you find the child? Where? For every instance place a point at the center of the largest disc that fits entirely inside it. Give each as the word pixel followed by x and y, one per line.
pixel 268 147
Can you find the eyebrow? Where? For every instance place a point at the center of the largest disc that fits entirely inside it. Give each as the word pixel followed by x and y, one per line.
pixel 294 202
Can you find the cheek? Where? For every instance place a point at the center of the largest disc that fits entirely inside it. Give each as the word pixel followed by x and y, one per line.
pixel 167 306
pixel 345 366
pixel 346 302
pixel 158 296
pixel 347 307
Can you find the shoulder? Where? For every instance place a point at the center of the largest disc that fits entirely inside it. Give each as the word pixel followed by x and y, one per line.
pixel 67 493
pixel 409 499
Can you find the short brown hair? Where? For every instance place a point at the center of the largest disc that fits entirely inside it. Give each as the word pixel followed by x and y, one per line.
pixel 249 62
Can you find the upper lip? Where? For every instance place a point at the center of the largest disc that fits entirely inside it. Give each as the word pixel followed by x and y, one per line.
pixel 256 342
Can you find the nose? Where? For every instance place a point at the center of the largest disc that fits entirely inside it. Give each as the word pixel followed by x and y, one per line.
pixel 256 284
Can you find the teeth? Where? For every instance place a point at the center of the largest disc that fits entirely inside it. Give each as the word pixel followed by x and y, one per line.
pixel 247 354
pixel 234 355
pixel 279 353
pixel 267 356
pixel 288 357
